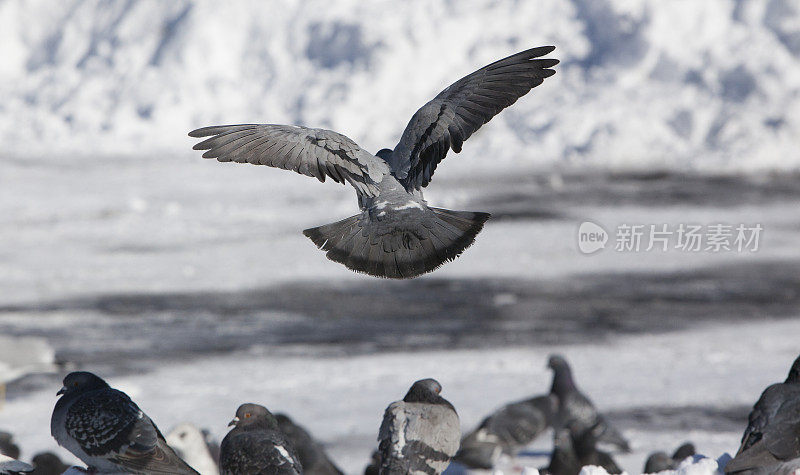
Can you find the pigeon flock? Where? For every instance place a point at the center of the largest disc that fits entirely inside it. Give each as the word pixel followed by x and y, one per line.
pixel 396 234
pixel 420 434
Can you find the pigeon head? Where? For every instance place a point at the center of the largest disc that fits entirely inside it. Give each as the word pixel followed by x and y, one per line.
pixel 384 153
pixel 658 462
pixel 253 416
pixel 685 450
pixel 562 375
pixel 794 373
pixel 81 381
pixel 424 390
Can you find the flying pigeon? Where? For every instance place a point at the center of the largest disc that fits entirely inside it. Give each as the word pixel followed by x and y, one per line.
pixel 256 446
pixel 107 431
pixel 506 431
pixel 768 404
pixel 48 463
pixel 310 452
pixel 660 461
pixel 396 234
pixel 420 434
pixel 189 443
pixel 576 412
pixel 11 466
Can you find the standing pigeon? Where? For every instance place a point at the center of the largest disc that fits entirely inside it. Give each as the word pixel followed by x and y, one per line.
pixel 256 446
pixel 660 461
pixel 563 460
pixel 771 442
pixel 396 234
pixel 310 452
pixel 420 434
pixel 576 412
pixel 506 431
pixel 768 404
pixel 777 451
pixel 11 466
pixel 48 463
pixel 108 431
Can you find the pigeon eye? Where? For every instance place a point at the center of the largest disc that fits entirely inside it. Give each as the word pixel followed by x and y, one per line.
pixel 246 415
pixel 75 384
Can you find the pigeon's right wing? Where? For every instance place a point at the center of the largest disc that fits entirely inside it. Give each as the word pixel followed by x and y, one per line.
pixel 316 153
pixel 517 424
pixel 462 108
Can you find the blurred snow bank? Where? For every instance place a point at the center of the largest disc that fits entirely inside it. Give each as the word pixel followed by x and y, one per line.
pixel 698 465
pixel 682 84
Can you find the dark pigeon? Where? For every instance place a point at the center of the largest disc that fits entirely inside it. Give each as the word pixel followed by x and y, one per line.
pixel 660 461
pixel 564 459
pixel 768 404
pixel 420 434
pixel 576 412
pixel 256 446
pixel 585 446
pixel 48 463
pixel 310 452
pixel 396 234
pixel 108 431
pixel 507 431
pixel 374 464
pixel 7 445
pixel 771 442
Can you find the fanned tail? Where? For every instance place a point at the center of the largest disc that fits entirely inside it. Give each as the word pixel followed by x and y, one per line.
pixel 401 244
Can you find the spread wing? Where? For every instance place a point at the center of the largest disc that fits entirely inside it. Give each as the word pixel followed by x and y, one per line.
pixel 461 109
pixel 109 425
pixel 313 152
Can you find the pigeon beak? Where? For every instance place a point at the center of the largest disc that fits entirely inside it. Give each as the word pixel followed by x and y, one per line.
pixel 61 391
pixel 233 422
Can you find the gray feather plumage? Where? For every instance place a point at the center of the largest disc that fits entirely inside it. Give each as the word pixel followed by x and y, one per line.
pixel 256 446
pixel 506 431
pixel 396 235
pixel 311 454
pixel 418 435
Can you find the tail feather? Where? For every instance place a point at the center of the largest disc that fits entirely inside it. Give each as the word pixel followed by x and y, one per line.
pixel 400 244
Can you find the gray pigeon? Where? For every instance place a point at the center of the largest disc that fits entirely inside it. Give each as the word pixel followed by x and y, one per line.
pixel 48 463
pixel 7 445
pixel 11 466
pixel 576 412
pixel 256 446
pixel 768 404
pixel 507 431
pixel 420 434
pixel 108 431
pixel 660 461
pixel 396 234
pixel 311 454
pixel 585 446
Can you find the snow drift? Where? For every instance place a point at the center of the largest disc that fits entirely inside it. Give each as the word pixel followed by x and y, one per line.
pixel 693 85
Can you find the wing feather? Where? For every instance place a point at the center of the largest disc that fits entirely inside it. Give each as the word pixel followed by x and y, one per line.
pixel 462 108
pixel 317 153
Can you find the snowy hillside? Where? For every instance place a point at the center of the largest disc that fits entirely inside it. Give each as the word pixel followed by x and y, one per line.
pixel 681 84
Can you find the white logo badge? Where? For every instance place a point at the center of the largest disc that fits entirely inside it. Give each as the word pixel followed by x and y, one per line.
pixel 591 237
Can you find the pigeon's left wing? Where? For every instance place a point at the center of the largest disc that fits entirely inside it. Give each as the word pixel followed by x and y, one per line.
pixel 316 153
pixel 111 426
pixel 457 112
